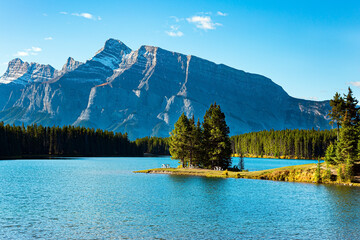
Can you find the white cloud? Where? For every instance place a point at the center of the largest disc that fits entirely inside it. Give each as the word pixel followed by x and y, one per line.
pixel 21 54
pixel 29 51
pixel 48 38
pixel 174 32
pixel 83 15
pixel 45 14
pixel 203 22
pixel 87 16
pixel 221 14
pixel 355 84
pixel 36 49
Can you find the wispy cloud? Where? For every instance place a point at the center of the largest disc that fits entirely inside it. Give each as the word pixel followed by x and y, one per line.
pixel 21 54
pixel 174 32
pixel 48 38
pixel 27 52
pixel 355 84
pixel 83 15
pixel 221 14
pixel 176 19
pixel 45 14
pixel 203 22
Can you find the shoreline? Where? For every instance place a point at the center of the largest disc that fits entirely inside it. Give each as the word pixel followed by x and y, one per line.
pixel 278 158
pixel 298 173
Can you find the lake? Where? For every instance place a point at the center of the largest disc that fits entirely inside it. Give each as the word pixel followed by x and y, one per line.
pixel 101 198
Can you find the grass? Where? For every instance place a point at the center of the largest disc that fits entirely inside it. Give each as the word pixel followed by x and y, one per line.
pixel 299 173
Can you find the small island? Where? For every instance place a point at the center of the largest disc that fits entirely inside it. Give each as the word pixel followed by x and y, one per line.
pixel 307 173
pixel 205 150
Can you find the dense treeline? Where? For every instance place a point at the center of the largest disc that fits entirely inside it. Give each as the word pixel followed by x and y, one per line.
pixel 302 144
pixel 20 141
pixel 153 145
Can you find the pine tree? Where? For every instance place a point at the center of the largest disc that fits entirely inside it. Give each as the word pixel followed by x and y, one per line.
pixel 216 137
pixel 330 154
pixel 198 151
pixel 351 108
pixel 179 140
pixel 337 109
pixel 347 144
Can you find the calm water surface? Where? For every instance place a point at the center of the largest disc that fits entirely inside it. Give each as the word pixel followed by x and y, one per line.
pixel 100 198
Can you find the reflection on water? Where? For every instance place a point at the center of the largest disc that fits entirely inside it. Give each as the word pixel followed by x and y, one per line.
pixel 91 198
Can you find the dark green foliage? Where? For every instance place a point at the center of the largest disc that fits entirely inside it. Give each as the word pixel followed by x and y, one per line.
pixel 346 113
pixel 34 140
pixel 217 142
pixel 351 111
pixel 153 145
pixel 199 153
pixel 349 169
pixel 307 144
pixel 330 154
pixel 179 140
pixel 347 144
pixel 337 109
pixel 207 146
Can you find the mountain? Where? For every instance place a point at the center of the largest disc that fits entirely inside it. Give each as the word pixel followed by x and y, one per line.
pixel 143 92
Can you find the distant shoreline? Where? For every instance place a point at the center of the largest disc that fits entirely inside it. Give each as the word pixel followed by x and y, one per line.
pixel 280 158
pixel 298 173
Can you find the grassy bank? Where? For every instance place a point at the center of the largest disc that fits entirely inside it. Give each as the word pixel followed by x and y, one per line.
pixel 301 173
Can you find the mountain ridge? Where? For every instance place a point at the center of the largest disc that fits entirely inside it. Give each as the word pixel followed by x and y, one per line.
pixel 144 91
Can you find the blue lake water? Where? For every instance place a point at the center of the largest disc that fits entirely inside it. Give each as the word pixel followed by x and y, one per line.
pixel 100 198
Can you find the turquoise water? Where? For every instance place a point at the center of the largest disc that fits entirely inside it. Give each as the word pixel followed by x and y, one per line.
pixel 100 198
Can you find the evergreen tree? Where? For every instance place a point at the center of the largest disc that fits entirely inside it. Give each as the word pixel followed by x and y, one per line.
pixel 337 109
pixel 347 144
pixel 351 109
pixel 346 151
pixel 179 138
pixel 199 154
pixel 330 154
pixel 216 137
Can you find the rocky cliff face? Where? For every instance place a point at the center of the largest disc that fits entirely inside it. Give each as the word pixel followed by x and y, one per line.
pixel 143 92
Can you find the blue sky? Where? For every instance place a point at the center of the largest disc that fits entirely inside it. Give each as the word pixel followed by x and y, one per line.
pixel 310 48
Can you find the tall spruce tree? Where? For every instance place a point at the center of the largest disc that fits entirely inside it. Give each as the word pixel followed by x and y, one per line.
pixel 179 140
pixel 351 108
pixel 199 158
pixel 216 137
pixel 337 111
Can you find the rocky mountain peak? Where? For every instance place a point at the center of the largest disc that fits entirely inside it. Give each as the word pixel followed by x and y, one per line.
pixel 70 65
pixel 112 53
pixel 20 72
pixel 115 45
